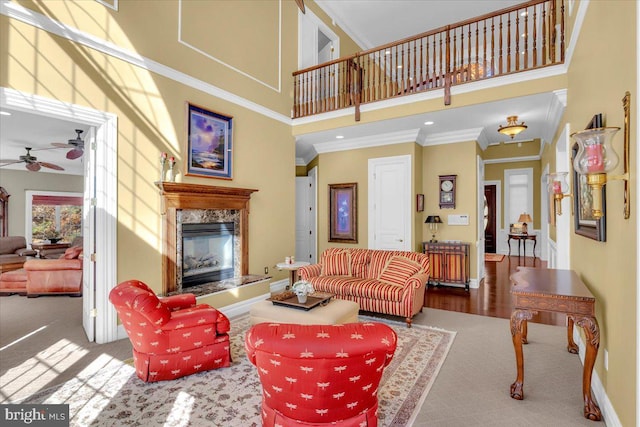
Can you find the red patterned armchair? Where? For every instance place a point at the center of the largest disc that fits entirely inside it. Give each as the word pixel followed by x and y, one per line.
pixel 171 337
pixel 314 375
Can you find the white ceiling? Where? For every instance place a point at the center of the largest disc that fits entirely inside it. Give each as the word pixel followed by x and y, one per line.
pixel 20 130
pixel 373 23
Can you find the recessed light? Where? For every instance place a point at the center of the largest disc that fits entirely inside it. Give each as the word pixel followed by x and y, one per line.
pixel 523 14
pixel 399 66
pixel 5 113
pixel 387 52
pixel 429 123
pixel 339 136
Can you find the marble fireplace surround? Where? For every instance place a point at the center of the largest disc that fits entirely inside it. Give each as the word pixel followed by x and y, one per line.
pixel 177 197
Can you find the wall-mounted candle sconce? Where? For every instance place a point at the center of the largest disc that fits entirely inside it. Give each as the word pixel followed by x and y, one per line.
pixel 596 158
pixel 559 189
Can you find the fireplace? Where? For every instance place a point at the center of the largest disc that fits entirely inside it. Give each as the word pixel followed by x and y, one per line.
pixel 207 253
pixel 184 203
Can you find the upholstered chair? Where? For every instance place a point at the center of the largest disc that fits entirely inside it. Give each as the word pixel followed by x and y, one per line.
pixel 320 374
pixel 171 337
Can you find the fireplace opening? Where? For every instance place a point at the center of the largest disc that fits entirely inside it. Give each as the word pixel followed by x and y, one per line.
pixel 207 253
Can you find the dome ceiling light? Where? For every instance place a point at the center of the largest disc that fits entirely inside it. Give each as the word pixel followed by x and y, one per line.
pixel 512 128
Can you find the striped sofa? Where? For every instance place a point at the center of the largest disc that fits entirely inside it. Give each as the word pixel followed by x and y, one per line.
pixel 389 282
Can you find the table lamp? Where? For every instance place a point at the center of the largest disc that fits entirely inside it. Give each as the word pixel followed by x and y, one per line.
pixel 433 221
pixel 524 219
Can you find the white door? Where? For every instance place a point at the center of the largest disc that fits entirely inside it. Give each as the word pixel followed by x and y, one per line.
pixel 88 229
pixel 313 215
pixel 390 203
pixel 480 210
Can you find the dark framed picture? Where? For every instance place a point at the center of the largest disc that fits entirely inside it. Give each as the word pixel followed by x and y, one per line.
pixel 343 213
pixel 209 143
pixel 585 223
pixel 420 202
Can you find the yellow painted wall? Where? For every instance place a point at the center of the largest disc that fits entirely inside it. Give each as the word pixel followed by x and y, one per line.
pixel 352 166
pixel 597 83
pixel 495 172
pixel 18 182
pixel 151 119
pixel 452 159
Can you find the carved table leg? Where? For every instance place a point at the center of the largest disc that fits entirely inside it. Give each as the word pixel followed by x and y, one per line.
pixel 518 326
pixel 571 345
pixel 592 335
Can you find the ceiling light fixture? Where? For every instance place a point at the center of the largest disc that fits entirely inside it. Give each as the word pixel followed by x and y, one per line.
pixel 512 128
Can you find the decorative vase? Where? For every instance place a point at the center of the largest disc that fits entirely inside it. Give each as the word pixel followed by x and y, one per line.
pixel 302 298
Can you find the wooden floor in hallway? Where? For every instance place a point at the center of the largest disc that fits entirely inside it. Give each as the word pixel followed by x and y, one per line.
pixel 492 298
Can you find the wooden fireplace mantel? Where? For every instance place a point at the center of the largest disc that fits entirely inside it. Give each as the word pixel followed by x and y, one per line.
pixel 176 196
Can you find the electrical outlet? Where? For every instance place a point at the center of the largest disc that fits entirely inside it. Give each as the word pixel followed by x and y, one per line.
pixel 606 360
pixel 266 270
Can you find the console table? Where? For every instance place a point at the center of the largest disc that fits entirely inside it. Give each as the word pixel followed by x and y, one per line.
pixel 522 238
pixel 559 291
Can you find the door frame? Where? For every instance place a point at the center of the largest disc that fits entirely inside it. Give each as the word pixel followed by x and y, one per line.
pixel 105 204
pixel 499 229
pixel 406 190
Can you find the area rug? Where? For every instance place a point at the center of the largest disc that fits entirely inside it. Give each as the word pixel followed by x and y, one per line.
pixel 113 395
pixel 493 257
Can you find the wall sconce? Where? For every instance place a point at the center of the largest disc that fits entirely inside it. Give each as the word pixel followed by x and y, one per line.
pixel 524 219
pixel 595 159
pixel 433 221
pixel 559 189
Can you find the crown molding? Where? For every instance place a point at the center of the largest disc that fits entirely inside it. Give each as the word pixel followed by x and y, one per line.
pixel 390 138
pixel 37 20
pixel 511 160
pixel 554 115
pixel 462 135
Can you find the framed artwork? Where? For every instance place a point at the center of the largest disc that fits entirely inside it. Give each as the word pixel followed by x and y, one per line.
pixel 585 224
pixel 209 143
pixel 420 202
pixel 343 212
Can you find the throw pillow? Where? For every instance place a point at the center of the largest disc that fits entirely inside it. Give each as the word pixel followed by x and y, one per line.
pixel 335 263
pixel 398 270
pixel 73 252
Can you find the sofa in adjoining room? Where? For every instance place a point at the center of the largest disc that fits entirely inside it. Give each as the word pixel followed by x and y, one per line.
pixel 389 282
pixel 13 246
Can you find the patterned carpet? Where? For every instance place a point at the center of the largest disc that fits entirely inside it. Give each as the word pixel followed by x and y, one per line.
pixel 111 394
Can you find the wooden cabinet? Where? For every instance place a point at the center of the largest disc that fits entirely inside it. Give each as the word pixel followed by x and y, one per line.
pixel 449 263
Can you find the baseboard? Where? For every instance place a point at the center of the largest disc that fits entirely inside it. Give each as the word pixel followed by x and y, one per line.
pixel 597 388
pixel 279 286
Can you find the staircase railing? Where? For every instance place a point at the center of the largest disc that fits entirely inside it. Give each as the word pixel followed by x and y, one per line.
pixel 515 39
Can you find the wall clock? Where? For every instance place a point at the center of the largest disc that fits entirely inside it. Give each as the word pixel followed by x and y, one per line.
pixel 447 191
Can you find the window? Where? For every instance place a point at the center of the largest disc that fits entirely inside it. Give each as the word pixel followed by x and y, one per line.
pixel 518 194
pixel 53 215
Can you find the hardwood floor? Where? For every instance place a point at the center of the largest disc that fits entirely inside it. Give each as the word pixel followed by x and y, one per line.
pixel 492 298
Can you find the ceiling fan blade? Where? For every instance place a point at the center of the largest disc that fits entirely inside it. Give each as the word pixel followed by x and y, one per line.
pixel 51 166
pixel 33 167
pixel 5 162
pixel 61 145
pixel 75 153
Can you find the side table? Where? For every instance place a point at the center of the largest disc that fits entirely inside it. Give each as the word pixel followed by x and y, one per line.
pixel 293 270
pixel 523 238
pixel 559 291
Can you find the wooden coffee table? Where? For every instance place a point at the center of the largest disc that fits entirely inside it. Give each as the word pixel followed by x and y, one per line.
pixel 559 291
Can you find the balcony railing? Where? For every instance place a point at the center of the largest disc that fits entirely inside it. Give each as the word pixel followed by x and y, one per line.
pixel 520 38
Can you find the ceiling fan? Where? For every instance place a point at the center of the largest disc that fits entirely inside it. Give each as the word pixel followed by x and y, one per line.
pixel 32 162
pixel 77 146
